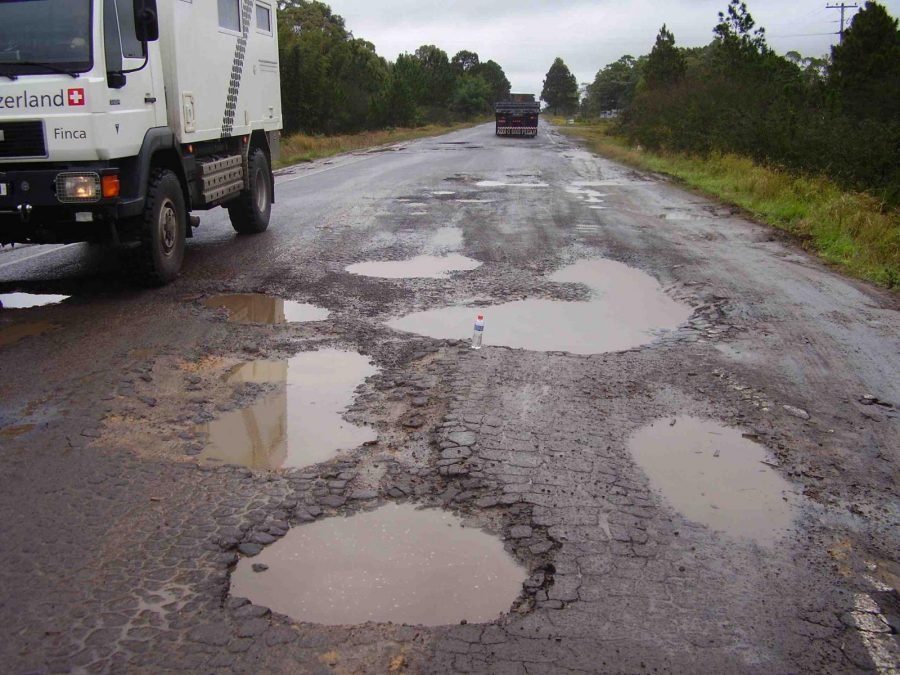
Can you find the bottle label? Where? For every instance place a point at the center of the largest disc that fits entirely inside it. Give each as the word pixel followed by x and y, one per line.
pixel 479 328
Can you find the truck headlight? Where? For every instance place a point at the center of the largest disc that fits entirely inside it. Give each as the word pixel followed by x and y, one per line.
pixel 78 188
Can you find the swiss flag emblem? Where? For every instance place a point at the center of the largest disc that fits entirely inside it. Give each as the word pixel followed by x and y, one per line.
pixel 76 96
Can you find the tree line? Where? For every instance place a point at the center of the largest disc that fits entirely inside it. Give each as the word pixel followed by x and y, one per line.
pixel 838 116
pixel 333 82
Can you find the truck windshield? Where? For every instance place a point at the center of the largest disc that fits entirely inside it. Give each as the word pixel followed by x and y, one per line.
pixel 45 36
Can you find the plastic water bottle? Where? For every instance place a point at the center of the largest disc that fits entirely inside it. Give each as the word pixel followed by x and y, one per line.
pixel 478 334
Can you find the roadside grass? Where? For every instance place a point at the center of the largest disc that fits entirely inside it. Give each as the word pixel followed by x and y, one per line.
pixel 303 148
pixel 849 229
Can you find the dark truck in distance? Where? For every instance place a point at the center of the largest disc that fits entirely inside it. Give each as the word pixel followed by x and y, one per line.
pixel 518 116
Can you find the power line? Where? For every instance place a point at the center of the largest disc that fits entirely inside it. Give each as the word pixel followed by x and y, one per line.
pixel 843 7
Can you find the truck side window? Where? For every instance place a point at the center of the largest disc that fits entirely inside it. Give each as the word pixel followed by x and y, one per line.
pixel 230 15
pixel 118 33
pixel 131 47
pixel 263 18
pixel 112 41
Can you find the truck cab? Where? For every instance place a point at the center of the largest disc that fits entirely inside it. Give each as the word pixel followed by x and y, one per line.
pixel 118 118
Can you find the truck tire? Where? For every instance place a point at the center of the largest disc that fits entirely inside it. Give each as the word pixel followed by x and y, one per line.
pixel 250 211
pixel 157 259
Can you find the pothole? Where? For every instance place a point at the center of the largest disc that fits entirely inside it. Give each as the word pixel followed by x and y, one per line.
pixel 501 184
pixel 445 239
pixel 396 564
pixel 19 331
pixel 627 309
pixel 298 425
pixel 584 189
pixel 712 475
pixel 264 309
pixel 28 300
pixel 420 267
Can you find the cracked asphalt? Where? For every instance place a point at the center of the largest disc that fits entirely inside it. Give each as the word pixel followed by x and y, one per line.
pixel 118 542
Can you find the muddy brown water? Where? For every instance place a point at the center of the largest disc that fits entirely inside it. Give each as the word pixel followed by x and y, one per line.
pixel 712 475
pixel 298 425
pixel 264 309
pixel 420 267
pixel 397 563
pixel 27 300
pixel 627 309
pixel 12 333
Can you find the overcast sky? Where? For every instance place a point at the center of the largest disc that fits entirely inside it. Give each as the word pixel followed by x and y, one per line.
pixel 524 36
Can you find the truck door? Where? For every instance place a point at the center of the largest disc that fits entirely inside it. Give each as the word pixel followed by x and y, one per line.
pixel 136 94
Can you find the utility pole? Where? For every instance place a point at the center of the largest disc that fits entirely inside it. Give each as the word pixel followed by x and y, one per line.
pixel 843 7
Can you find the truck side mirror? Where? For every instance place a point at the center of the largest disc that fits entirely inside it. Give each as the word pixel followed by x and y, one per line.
pixel 146 22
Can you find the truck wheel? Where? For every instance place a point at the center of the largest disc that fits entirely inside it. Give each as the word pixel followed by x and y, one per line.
pixel 251 210
pixel 157 259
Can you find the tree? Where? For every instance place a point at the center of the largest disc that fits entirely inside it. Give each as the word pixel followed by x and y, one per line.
pixel 407 91
pixel 309 36
pixel 738 41
pixel 333 82
pixel 438 77
pixel 358 76
pixel 613 87
pixel 665 65
pixel 492 73
pixel 471 96
pixel 464 62
pixel 560 91
pixel 865 69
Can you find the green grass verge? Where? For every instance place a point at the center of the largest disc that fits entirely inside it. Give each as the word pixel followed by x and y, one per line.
pixel 302 148
pixel 848 229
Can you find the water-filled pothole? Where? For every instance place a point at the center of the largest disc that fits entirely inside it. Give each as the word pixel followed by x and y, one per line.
pixel 398 563
pixel 420 267
pixel 626 310
pixel 501 184
pixel 585 190
pixel 298 425
pixel 253 308
pixel 445 239
pixel 19 331
pixel 713 475
pixel 28 300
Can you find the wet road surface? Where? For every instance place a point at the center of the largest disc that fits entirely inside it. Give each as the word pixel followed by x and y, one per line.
pixel 120 535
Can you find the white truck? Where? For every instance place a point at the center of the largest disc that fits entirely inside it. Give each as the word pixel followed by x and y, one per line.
pixel 120 117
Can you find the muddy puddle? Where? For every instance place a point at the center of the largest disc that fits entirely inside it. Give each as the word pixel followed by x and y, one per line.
pixel 715 476
pixel 28 300
pixel 627 309
pixel 263 309
pixel 396 564
pixel 298 425
pixel 420 267
pixel 12 333
pixel 502 184
pixel 586 190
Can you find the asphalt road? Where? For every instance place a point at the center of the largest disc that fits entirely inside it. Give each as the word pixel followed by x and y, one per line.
pixel 118 542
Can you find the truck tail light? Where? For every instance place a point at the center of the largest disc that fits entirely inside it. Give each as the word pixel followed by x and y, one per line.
pixel 78 188
pixel 111 186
